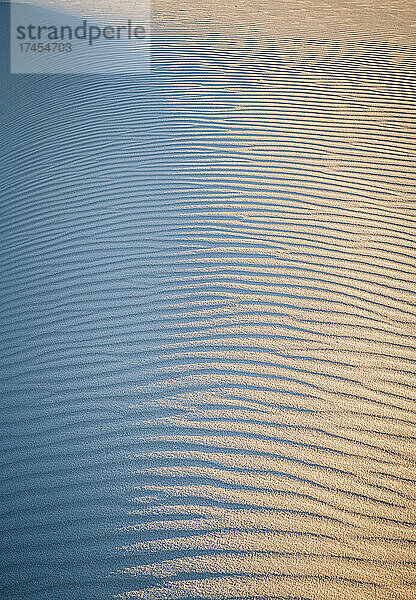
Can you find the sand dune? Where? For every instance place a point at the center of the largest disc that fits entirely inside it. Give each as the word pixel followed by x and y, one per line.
pixel 209 322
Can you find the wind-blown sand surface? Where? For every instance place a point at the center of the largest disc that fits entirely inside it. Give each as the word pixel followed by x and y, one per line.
pixel 209 316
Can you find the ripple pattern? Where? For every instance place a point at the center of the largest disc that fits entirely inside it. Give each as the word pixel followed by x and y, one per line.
pixel 209 327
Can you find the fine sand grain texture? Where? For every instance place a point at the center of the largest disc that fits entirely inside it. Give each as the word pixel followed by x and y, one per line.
pixel 208 308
